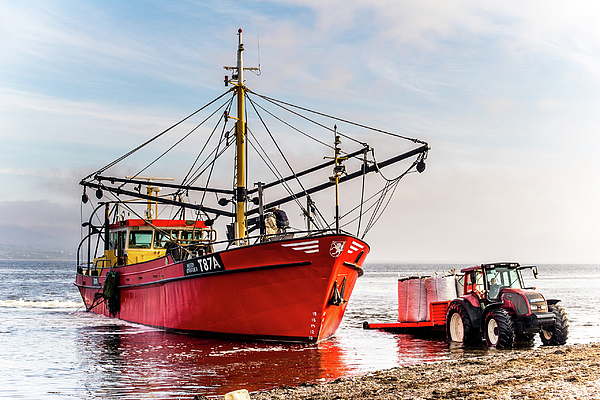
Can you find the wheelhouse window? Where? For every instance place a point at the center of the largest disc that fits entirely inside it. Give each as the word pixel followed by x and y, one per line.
pixel 188 237
pixel 112 241
pixel 161 238
pixel 140 239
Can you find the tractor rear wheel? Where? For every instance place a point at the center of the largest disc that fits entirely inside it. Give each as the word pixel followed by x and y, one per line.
pixel 458 325
pixel 499 329
pixel 556 336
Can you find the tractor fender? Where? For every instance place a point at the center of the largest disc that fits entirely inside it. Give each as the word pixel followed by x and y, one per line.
pixel 473 312
pixel 552 302
pixel 492 306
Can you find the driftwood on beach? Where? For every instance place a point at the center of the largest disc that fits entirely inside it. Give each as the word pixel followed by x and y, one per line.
pixel 567 372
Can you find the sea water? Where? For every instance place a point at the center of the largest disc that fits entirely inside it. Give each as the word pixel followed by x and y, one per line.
pixel 51 348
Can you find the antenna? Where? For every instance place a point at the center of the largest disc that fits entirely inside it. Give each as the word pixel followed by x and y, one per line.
pixel 257 72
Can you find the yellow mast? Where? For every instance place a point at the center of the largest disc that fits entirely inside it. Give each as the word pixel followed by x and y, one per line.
pixel 240 140
pixel 240 135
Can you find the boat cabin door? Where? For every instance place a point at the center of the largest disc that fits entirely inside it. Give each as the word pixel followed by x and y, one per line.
pixel 121 247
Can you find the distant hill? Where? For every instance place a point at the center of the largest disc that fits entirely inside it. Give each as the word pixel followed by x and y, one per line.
pixel 16 235
pixel 17 242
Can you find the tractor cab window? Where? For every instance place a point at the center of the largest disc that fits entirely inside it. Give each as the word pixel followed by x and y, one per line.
pixel 507 277
pixel 162 237
pixel 140 239
pixel 474 282
pixel 499 278
pixel 494 279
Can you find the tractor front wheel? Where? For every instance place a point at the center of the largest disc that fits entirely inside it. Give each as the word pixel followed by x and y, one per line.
pixel 556 336
pixel 499 329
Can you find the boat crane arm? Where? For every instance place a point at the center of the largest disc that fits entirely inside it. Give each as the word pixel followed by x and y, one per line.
pixel 371 168
pixel 307 171
pixel 112 179
pixel 163 200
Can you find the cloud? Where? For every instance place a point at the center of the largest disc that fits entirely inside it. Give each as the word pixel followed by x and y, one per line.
pixel 498 105
pixel 40 173
pixel 84 113
pixel 550 105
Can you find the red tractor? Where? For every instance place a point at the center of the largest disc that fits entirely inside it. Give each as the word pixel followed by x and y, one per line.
pixel 496 306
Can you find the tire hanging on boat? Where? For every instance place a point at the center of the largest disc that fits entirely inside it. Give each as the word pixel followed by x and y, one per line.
pixel 110 292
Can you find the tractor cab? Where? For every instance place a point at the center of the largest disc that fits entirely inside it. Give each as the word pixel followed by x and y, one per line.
pixel 488 281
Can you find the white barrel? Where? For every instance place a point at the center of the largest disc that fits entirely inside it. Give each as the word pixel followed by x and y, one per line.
pixel 412 299
pixel 440 288
pixel 402 299
pixel 460 279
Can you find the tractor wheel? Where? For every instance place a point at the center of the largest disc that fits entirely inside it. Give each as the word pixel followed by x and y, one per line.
pixel 558 335
pixel 458 325
pixel 499 329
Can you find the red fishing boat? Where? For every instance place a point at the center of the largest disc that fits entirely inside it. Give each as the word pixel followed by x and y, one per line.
pixel 282 283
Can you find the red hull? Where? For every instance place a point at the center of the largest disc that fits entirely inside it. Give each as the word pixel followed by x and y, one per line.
pixel 283 290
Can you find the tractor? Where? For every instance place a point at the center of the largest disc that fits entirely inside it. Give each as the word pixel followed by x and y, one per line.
pixel 497 307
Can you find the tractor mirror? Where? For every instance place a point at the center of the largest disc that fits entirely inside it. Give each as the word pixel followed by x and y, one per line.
pixel 535 272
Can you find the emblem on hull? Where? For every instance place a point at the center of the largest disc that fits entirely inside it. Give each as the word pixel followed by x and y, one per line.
pixel 336 249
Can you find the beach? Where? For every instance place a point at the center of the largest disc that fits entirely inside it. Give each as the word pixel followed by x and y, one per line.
pixel 565 372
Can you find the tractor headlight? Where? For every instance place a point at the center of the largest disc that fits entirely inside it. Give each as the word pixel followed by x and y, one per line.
pixel 537 303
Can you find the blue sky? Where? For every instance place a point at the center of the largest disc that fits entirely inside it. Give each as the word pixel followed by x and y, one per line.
pixel 506 93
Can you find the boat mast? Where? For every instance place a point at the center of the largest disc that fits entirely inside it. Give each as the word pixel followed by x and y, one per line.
pixel 240 135
pixel 241 193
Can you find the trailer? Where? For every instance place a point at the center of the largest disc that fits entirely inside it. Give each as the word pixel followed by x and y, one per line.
pixel 437 311
pixel 423 301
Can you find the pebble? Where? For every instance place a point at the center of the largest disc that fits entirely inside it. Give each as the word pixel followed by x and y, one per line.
pixel 566 372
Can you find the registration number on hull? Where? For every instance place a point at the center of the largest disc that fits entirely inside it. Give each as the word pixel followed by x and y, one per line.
pixel 203 265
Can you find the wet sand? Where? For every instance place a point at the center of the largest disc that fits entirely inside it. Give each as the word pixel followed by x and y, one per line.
pixel 565 372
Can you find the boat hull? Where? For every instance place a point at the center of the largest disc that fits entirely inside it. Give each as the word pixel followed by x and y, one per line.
pixel 288 290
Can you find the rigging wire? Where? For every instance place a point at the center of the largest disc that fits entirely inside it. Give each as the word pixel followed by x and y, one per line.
pixel 275 101
pixel 228 107
pixel 118 160
pixel 212 165
pixel 179 141
pixel 390 186
pixel 199 171
pixel 291 126
pixel 284 158
pixel 278 175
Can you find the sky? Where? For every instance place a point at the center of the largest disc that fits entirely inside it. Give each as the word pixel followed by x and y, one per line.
pixel 506 93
